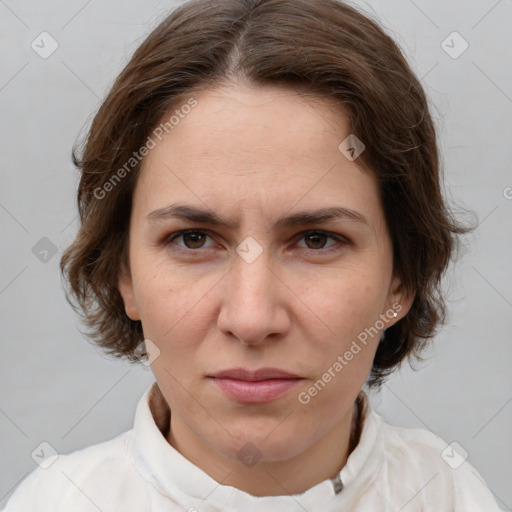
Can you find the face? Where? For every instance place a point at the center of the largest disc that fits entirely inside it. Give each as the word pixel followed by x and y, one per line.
pixel 252 283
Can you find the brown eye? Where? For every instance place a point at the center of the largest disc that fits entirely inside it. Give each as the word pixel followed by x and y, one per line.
pixel 316 240
pixel 194 239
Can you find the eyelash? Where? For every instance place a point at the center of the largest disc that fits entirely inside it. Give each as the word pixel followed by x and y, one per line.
pixel 170 239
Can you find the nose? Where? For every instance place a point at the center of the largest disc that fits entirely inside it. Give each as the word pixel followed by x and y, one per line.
pixel 253 303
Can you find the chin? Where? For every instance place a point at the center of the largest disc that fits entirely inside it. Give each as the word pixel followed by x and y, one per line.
pixel 268 441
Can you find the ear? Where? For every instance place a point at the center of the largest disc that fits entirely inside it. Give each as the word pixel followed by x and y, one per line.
pixel 125 287
pixel 399 300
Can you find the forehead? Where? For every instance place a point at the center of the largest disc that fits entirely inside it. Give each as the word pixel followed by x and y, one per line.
pixel 258 148
pixel 241 120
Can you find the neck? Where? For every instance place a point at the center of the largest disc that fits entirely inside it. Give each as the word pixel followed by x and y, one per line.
pixel 266 478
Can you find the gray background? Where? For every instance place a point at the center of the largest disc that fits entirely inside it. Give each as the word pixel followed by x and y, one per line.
pixel 58 388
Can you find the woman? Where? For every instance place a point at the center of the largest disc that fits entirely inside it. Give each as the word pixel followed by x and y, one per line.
pixel 262 222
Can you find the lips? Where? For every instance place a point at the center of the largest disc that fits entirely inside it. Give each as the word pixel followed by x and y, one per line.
pixel 256 375
pixel 247 386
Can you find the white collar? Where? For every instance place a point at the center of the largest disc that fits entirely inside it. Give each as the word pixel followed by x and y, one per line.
pixel 190 486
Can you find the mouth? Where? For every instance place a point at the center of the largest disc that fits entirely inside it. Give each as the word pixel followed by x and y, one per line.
pixel 250 387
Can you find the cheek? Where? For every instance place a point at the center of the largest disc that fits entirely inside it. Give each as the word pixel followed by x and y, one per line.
pixel 172 309
pixel 341 356
pixel 348 302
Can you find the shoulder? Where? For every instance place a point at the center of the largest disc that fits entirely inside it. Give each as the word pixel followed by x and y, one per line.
pixel 432 471
pixel 79 480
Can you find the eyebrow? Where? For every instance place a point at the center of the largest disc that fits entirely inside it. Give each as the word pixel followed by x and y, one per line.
pixel 193 214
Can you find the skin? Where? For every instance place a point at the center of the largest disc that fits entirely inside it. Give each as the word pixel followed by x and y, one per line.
pixel 253 154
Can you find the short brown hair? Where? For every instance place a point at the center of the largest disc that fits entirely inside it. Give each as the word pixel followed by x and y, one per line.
pixel 334 50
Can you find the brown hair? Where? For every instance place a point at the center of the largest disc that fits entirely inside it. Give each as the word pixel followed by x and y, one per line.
pixel 332 49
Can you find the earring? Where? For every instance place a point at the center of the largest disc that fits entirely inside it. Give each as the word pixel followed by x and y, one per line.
pixel 395 314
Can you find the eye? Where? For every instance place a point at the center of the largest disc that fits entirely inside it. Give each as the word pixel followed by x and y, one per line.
pixel 317 240
pixel 194 240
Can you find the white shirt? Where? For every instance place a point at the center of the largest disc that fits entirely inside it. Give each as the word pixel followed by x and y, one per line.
pixel 391 469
